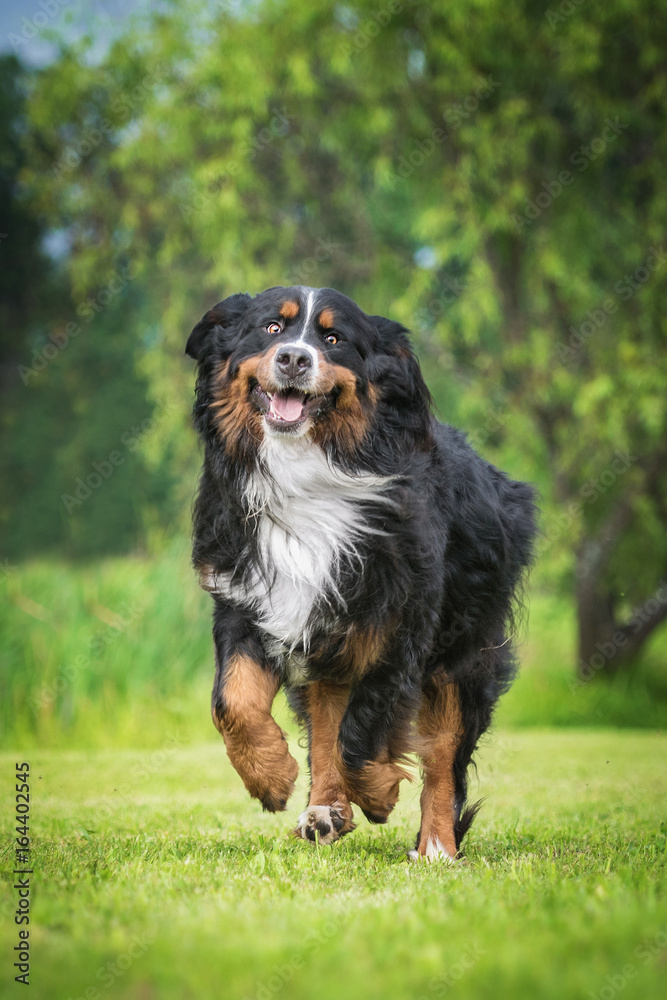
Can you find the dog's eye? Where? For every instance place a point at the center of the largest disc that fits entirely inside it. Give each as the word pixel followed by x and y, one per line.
pixel 274 328
pixel 331 338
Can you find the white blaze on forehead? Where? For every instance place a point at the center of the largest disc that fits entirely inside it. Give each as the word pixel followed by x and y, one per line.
pixel 311 295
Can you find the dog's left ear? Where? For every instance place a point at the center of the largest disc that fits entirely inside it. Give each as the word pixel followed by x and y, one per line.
pixel 395 369
pixel 212 326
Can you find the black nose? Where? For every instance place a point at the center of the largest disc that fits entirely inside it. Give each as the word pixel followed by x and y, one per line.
pixel 293 361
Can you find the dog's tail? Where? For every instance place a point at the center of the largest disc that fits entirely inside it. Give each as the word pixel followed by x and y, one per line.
pixel 464 820
pixel 479 688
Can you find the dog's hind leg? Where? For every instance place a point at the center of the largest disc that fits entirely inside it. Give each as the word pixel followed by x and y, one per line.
pixel 452 717
pixel 243 693
pixel 329 812
pixel 440 729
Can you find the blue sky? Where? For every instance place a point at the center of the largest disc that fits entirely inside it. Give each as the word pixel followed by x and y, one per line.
pixel 20 18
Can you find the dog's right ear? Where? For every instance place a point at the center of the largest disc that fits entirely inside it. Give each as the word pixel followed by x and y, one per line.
pixel 217 320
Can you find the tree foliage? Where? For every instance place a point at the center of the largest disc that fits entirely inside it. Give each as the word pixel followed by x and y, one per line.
pixel 490 175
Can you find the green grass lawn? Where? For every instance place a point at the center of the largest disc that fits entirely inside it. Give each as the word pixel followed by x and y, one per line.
pixel 157 877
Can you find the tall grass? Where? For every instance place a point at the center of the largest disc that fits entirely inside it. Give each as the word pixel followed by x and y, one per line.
pixel 118 651
pixel 106 653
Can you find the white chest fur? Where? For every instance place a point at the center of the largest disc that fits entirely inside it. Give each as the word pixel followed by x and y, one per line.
pixel 309 520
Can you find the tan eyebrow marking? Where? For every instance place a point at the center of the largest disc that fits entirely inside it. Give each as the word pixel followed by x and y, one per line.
pixel 289 309
pixel 327 318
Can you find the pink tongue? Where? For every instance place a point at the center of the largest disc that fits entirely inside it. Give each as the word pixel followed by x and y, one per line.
pixel 288 406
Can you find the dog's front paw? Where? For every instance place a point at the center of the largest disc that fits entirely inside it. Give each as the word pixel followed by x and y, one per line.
pixel 263 761
pixel 330 823
pixel 275 791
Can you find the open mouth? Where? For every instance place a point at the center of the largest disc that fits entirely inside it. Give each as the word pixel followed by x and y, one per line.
pixel 285 409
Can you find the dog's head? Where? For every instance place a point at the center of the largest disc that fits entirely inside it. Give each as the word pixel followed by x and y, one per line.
pixel 303 361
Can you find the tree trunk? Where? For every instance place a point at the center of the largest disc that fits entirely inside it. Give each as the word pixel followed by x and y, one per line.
pixel 605 644
pixel 595 615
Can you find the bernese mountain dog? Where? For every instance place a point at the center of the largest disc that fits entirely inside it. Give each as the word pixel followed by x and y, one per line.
pixel 359 554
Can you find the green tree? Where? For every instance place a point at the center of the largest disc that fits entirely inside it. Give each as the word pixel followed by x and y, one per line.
pixel 24 267
pixel 491 176
pixel 71 393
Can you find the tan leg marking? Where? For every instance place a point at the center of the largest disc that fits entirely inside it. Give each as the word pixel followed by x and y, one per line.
pixel 329 810
pixel 440 730
pixel 374 787
pixel 256 745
